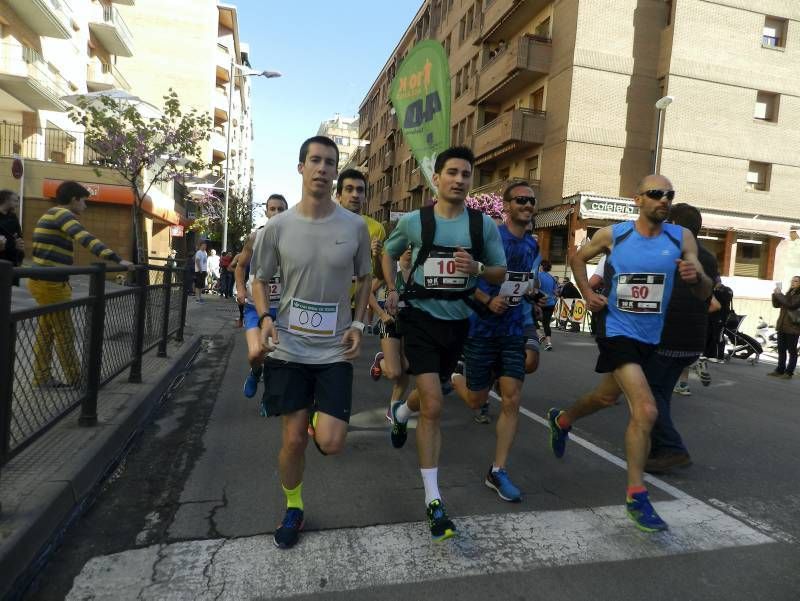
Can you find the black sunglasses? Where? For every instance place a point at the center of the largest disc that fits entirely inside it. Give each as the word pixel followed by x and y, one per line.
pixel 659 194
pixel 523 200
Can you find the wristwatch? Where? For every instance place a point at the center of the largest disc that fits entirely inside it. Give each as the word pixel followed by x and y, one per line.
pixel 481 267
pixel 358 325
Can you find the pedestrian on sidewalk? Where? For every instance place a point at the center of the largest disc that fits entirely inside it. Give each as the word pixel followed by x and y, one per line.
pixel 547 286
pixel 200 271
pixel 213 271
pixel 788 327
pixel 226 274
pixel 12 246
pixel 53 240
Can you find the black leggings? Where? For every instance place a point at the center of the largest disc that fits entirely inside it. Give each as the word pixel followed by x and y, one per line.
pixel 787 344
pixel 547 317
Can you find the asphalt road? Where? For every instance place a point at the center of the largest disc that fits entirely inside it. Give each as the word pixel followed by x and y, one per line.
pixel 190 513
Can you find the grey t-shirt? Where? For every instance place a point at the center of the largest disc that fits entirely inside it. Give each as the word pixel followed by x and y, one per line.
pixel 316 260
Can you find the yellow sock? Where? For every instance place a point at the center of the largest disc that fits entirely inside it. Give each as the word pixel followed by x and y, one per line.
pixel 314 419
pixel 294 497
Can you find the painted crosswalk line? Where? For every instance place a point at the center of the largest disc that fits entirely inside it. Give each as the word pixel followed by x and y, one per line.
pixel 361 558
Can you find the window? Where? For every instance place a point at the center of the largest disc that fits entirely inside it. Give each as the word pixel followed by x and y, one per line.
pixel 532 168
pixel 462 31
pixel 758 176
pixel 447 41
pixel 774 33
pixel 543 29
pixel 766 106
pixel 536 100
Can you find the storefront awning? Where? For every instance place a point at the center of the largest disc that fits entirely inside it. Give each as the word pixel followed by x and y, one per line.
pixel 119 195
pixel 752 225
pixel 553 217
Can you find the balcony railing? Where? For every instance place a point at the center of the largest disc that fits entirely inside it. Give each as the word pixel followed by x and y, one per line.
pixel 48 18
pixel 416 180
pixel 113 32
pixel 386 195
pixel 46 144
pixel 502 18
pixel 499 186
pixel 511 131
pixel 26 76
pixel 527 59
pixel 388 160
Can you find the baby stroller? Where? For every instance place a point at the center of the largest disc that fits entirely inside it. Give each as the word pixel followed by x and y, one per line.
pixel 740 345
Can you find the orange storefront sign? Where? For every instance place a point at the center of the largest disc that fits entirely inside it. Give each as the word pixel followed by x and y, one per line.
pixel 116 195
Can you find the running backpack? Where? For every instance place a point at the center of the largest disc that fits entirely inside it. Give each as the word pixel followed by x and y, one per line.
pixel 428 220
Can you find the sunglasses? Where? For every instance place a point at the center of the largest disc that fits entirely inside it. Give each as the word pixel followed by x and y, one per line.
pixel 659 194
pixel 523 200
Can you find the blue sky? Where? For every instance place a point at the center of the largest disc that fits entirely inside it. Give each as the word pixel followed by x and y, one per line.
pixel 329 54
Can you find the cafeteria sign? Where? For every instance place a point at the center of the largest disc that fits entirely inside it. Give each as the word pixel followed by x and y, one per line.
pixel 420 95
pixel 619 209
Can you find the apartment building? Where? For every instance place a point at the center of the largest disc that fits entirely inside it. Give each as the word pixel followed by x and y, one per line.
pixel 343 131
pixel 53 48
pixel 562 93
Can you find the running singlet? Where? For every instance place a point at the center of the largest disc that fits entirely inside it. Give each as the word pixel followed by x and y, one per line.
pixel 521 254
pixel 639 276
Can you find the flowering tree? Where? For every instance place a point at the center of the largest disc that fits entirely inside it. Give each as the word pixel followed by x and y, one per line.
pixel 144 151
pixel 210 215
pixel 491 204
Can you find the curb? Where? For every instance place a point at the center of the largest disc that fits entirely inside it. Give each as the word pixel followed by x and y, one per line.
pixel 55 504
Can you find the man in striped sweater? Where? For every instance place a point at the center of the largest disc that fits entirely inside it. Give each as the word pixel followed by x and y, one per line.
pixel 53 247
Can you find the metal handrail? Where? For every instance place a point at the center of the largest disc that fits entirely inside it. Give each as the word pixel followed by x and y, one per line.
pixel 111 15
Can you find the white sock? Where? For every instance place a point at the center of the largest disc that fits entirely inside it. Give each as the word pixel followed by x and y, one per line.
pixel 403 413
pixel 430 478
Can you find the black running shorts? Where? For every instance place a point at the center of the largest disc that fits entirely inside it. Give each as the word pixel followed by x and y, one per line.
pixel 290 387
pixel 432 346
pixel 621 350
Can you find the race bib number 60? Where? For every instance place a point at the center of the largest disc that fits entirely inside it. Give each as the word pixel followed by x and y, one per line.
pixel 313 319
pixel 640 292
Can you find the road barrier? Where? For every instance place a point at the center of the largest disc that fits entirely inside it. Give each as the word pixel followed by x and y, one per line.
pixel 95 339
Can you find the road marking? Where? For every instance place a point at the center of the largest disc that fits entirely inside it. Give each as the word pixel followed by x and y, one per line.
pixel 359 558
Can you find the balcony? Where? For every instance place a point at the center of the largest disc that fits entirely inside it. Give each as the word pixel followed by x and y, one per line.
pixel 417 180
pixel 391 126
pixel 386 195
pixel 27 77
pixel 388 161
pixel 219 144
pixel 223 63
pixel 525 61
pixel 49 18
pixel 511 131
pixel 112 32
pixel 45 144
pixel 102 76
pixel 503 18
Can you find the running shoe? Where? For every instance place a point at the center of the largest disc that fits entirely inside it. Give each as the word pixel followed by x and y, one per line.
pixel 641 511
pixel 441 526
pixel 289 531
pixel 399 432
pixel 548 347
pixel 682 388
pixel 459 368
pixel 482 415
pixel 500 483
pixel 251 383
pixel 375 371
pixel 701 367
pixel 558 435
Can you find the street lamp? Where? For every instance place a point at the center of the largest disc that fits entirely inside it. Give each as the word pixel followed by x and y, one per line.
pixel 251 73
pixel 661 105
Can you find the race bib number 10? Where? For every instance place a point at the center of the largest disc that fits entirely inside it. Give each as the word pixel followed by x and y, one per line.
pixel 640 292
pixel 441 272
pixel 313 319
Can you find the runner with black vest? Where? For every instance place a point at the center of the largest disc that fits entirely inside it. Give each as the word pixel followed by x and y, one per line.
pixel 644 257
pixel 452 247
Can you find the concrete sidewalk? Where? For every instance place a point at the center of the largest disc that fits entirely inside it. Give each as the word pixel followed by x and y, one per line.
pixel 54 480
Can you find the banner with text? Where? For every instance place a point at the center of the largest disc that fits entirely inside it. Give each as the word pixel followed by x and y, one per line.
pixel 420 96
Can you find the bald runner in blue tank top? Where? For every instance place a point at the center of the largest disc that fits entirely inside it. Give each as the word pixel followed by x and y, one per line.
pixel 639 276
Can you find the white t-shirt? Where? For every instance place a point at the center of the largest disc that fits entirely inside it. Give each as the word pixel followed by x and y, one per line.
pixel 213 265
pixel 200 261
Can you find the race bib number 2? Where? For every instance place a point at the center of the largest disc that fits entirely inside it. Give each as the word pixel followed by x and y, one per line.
pixel 441 272
pixel 640 292
pixel 515 286
pixel 313 319
pixel 275 289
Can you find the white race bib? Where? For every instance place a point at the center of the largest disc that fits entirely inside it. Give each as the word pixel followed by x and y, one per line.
pixel 313 319
pixel 441 273
pixel 275 289
pixel 640 292
pixel 515 286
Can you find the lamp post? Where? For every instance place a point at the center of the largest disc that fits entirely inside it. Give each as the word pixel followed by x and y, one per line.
pixel 268 75
pixel 661 105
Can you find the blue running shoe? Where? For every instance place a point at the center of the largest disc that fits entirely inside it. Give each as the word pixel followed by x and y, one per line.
pixel 288 532
pixel 251 383
pixel 558 436
pixel 500 483
pixel 441 526
pixel 399 432
pixel 641 511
